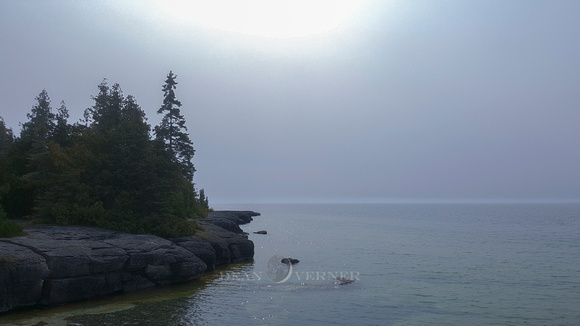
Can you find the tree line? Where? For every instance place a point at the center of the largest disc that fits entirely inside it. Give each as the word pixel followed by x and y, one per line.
pixel 109 170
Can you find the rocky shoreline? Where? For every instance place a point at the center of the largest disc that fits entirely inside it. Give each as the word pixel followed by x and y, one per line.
pixel 54 264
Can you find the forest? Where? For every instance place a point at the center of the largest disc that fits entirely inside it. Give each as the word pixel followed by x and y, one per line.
pixel 110 170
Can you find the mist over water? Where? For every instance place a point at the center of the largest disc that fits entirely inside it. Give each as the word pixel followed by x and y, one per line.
pixel 414 264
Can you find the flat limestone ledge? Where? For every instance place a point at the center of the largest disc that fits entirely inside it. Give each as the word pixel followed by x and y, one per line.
pixel 53 265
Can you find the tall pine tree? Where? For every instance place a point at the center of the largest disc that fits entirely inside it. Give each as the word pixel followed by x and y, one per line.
pixel 25 163
pixel 6 140
pixel 172 131
pixel 40 122
pixel 62 132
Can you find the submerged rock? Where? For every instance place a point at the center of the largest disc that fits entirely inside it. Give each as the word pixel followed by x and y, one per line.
pixel 290 261
pixel 342 281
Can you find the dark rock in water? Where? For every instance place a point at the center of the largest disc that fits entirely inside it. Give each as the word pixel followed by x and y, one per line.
pixel 342 281
pixel 53 265
pixel 289 261
pixel 261 232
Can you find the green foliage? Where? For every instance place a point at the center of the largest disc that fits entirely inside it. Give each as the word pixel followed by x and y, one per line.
pixel 9 229
pixel 62 131
pixel 24 165
pixel 6 138
pixel 172 131
pixel 6 175
pixel 40 122
pixel 203 200
pixel 107 173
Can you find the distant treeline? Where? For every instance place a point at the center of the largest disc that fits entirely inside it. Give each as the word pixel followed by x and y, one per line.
pixel 109 170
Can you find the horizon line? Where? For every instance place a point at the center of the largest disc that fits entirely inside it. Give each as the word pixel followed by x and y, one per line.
pixel 407 201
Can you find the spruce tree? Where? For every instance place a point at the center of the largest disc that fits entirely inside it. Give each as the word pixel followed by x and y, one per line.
pixel 62 130
pixel 105 114
pixel 172 131
pixel 203 200
pixel 40 122
pixel 25 161
pixel 112 136
pixel 6 140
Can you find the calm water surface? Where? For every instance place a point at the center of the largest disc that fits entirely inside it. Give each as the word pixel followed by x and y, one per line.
pixel 414 264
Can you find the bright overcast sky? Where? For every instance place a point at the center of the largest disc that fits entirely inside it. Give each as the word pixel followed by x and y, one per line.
pixel 329 101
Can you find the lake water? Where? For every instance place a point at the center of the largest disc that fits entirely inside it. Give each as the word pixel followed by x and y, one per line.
pixel 413 264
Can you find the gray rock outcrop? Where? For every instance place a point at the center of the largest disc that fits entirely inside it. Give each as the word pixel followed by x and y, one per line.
pixel 230 220
pixel 54 264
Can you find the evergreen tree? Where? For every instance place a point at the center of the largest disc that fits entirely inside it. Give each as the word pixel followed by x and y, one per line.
pixel 25 162
pixel 6 140
pixel 110 137
pixel 105 114
pixel 40 122
pixel 172 131
pixel 62 131
pixel 203 200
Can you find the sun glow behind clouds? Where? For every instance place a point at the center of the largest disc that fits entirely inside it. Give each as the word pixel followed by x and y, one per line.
pixel 265 18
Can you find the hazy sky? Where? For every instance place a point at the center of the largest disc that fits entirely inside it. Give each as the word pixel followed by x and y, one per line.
pixel 392 101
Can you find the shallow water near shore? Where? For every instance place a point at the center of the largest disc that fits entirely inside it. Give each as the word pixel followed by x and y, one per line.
pixel 413 264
